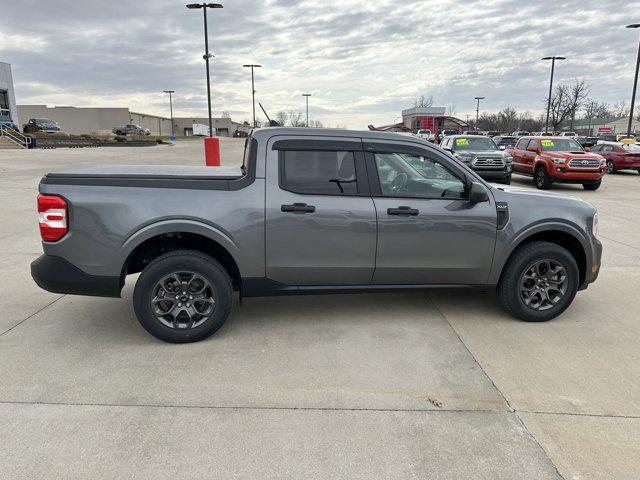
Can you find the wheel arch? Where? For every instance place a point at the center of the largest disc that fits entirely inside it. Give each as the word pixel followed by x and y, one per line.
pixel 162 237
pixel 563 235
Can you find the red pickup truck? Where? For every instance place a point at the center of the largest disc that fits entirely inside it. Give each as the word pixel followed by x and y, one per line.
pixel 557 159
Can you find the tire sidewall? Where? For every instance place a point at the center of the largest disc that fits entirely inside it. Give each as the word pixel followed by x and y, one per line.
pixel 510 284
pixel 174 262
pixel 541 173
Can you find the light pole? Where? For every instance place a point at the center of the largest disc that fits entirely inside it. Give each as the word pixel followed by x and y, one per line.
pixel 253 90
pixel 307 95
pixel 170 92
pixel 206 55
pixel 635 82
pixel 553 65
pixel 478 109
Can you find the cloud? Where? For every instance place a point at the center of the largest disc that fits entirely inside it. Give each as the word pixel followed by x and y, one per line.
pixel 363 61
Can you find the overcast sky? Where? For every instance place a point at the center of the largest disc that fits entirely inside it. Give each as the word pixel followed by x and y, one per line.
pixel 363 61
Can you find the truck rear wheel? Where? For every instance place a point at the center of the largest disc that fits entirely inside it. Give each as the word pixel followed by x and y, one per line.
pixel 183 296
pixel 539 282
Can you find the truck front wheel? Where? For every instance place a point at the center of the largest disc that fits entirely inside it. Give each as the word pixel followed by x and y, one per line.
pixel 543 182
pixel 183 296
pixel 539 281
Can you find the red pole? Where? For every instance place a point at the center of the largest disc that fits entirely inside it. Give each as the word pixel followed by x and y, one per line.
pixel 212 151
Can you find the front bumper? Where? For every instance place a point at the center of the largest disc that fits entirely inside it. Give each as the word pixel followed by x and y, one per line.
pixel 563 174
pixel 493 174
pixel 593 267
pixel 57 275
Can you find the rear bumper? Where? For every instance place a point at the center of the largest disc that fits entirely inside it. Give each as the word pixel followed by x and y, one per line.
pixel 57 275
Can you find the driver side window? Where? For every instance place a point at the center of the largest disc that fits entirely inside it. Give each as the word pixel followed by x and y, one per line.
pixel 415 176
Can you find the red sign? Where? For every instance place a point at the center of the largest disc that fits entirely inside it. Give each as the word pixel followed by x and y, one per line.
pixel 604 129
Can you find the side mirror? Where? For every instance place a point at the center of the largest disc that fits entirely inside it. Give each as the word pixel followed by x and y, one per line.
pixel 587 149
pixel 478 193
pixel 531 148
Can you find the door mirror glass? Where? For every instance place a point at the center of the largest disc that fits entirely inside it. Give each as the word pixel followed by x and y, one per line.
pixel 478 193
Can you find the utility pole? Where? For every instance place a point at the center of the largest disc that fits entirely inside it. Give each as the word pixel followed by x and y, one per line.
pixel 171 92
pixel 478 109
pixel 553 64
pixel 635 83
pixel 307 95
pixel 253 90
pixel 207 56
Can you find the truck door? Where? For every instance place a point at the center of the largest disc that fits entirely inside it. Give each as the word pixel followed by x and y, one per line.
pixel 428 231
pixel 320 218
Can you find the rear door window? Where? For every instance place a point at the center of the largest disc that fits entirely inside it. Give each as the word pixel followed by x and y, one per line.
pixel 318 172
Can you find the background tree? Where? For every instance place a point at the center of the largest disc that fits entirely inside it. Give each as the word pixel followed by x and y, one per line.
pixel 450 110
pixel 315 124
pixel 282 117
pixel 423 101
pixel 295 119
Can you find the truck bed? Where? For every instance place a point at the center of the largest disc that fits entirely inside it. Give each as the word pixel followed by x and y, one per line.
pixel 151 176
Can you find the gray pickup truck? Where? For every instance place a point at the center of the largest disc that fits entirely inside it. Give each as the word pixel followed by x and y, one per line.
pixel 310 211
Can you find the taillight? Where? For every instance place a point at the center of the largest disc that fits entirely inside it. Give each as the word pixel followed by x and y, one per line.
pixel 53 217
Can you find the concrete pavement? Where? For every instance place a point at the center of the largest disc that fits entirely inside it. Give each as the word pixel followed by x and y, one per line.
pixel 407 385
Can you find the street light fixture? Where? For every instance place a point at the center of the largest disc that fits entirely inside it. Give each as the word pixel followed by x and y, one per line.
pixel 253 90
pixel 206 55
pixel 171 92
pixel 553 64
pixel 478 109
pixel 307 95
pixel 635 82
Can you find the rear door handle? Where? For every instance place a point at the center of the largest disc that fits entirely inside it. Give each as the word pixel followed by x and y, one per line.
pixel 403 211
pixel 298 208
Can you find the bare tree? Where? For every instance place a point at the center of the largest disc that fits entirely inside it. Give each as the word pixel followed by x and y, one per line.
pixel 423 101
pixel 282 117
pixel 620 109
pixel 450 110
pixel 577 97
pixel 226 114
pixel 315 124
pixel 295 119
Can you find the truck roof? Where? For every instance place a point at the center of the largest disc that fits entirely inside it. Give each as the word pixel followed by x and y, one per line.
pixel 268 132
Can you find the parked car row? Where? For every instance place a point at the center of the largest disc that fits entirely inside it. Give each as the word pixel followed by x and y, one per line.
pixel 547 159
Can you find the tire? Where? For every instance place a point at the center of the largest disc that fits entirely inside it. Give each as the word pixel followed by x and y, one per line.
pixel 506 180
pixel 591 186
pixel 159 280
pixel 542 179
pixel 513 276
pixel 611 167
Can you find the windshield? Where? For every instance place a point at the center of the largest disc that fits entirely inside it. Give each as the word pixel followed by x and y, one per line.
pixel 424 131
pixel 560 145
pixel 632 148
pixel 474 143
pixel 5 119
pixel 44 121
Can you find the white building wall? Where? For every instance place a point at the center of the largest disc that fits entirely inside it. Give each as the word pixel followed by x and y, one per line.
pixel 6 83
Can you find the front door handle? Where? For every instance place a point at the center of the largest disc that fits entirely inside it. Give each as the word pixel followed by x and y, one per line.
pixel 403 211
pixel 298 208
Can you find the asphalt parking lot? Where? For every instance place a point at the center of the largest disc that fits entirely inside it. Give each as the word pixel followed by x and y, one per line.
pixel 374 386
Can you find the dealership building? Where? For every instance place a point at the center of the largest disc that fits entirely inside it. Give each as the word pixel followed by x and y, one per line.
pixel 425 118
pixel 102 120
pixel 7 95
